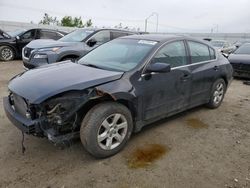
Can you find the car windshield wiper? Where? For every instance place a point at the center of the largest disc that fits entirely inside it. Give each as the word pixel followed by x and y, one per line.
pixel 92 65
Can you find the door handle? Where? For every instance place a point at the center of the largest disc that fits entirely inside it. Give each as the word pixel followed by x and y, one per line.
pixel 216 68
pixel 185 77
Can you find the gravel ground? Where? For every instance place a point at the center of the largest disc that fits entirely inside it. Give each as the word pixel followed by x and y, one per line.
pixel 198 148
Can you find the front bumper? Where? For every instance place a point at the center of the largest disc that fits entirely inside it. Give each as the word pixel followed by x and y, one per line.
pixel 31 62
pixel 25 125
pixel 32 127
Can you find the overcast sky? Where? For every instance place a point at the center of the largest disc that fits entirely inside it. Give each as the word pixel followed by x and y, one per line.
pixel 174 16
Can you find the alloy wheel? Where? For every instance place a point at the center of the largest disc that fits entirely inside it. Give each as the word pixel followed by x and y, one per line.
pixel 7 54
pixel 112 131
pixel 218 93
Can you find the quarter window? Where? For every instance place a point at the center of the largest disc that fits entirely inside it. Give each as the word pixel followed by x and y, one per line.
pixel 199 52
pixel 173 54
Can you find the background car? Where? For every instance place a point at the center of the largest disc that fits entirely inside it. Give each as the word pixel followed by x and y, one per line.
pixel 240 60
pixel 70 47
pixel 223 46
pixel 11 47
pixel 116 89
pixel 240 42
pixel 4 35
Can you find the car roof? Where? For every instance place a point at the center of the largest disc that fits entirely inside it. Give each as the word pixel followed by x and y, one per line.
pixel 160 37
pixel 47 29
pixel 219 40
pixel 99 29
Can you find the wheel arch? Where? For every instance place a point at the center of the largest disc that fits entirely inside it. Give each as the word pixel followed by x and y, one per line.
pixel 68 56
pixel 12 47
pixel 108 98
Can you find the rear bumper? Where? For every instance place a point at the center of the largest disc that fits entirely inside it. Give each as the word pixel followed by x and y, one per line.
pixel 25 125
pixel 241 70
pixel 242 74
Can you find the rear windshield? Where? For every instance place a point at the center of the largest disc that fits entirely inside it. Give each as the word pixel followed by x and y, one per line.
pixel 244 49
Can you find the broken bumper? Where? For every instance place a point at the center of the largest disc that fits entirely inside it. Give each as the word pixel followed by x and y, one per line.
pixel 33 126
pixel 25 125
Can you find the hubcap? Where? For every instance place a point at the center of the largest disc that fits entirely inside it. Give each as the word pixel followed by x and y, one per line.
pixel 7 54
pixel 218 93
pixel 112 131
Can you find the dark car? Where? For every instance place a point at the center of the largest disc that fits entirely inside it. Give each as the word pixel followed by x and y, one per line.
pixel 117 89
pixel 223 46
pixel 240 60
pixel 4 35
pixel 70 47
pixel 12 45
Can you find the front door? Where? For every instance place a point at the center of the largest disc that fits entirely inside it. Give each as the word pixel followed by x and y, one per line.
pixel 164 93
pixel 26 38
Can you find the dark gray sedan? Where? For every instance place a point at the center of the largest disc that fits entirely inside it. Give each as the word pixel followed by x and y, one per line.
pixel 240 60
pixel 117 89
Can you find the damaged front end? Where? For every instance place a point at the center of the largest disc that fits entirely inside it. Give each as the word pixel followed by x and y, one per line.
pixel 58 118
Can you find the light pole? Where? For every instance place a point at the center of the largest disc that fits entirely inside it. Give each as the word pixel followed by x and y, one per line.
pixel 157 21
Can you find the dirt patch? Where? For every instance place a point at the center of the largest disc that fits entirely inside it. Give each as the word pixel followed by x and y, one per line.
pixel 143 157
pixel 196 123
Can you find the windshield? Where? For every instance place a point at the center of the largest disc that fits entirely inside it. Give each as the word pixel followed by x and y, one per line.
pixel 76 36
pixel 244 49
pixel 16 32
pixel 217 43
pixel 118 55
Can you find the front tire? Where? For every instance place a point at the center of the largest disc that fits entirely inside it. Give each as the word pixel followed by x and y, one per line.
pixel 217 94
pixel 105 129
pixel 6 53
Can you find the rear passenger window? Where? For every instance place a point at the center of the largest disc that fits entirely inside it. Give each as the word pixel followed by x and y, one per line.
pixel 48 35
pixel 199 52
pixel 118 34
pixel 173 53
pixel 212 54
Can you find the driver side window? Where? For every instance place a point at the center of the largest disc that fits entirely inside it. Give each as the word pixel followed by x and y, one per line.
pixel 101 37
pixel 173 54
pixel 29 35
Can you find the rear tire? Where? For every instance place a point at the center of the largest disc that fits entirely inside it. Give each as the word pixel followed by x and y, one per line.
pixel 6 53
pixel 105 129
pixel 217 94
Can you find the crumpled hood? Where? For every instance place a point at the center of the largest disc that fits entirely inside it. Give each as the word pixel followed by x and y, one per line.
pixel 239 58
pixel 50 43
pixel 39 84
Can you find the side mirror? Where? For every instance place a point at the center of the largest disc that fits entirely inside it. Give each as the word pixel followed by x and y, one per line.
pixel 91 42
pixel 225 55
pixel 159 68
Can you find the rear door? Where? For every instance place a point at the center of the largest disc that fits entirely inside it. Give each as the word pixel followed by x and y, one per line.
pixel 165 93
pixel 204 70
pixel 46 34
